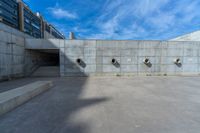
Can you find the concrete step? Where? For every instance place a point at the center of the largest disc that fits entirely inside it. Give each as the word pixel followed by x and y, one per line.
pixel 13 98
pixel 47 71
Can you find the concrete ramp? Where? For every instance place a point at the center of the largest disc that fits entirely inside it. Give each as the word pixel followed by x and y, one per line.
pixel 47 71
pixel 13 98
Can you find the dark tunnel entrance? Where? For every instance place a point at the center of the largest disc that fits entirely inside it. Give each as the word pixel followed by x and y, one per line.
pixel 46 63
pixel 50 57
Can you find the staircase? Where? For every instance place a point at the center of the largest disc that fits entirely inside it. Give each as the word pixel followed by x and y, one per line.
pixel 47 71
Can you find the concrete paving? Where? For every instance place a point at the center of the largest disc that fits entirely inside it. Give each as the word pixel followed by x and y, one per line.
pixel 109 105
pixel 47 71
pixel 15 97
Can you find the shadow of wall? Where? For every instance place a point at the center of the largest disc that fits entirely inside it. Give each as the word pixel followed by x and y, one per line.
pixel 52 112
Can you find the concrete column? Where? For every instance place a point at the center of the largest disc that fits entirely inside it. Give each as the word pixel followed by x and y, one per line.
pixel 50 30
pixel 43 28
pixel 21 15
pixel 71 36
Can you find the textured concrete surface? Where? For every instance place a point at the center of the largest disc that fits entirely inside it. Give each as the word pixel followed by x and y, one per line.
pixel 20 56
pixel 98 54
pixel 11 55
pixel 15 97
pixel 109 105
pixel 47 71
pixel 12 52
pixel 15 61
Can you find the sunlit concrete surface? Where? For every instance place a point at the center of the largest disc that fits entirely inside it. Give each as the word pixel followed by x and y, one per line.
pixel 108 105
pixel 194 36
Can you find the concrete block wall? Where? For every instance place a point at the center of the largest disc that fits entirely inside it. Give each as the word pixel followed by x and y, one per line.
pixel 15 60
pixel 98 54
pixel 11 54
pixel 73 50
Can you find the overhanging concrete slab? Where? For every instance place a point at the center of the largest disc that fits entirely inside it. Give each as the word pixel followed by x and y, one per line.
pixel 42 44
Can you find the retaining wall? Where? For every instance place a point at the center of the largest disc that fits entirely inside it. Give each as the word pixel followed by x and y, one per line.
pixel 11 53
pixel 97 56
pixel 15 61
pixel 18 60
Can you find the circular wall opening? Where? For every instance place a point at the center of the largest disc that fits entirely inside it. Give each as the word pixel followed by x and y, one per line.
pixel 114 61
pixel 78 61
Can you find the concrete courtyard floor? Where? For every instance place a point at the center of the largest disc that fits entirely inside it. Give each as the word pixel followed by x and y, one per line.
pixel 108 105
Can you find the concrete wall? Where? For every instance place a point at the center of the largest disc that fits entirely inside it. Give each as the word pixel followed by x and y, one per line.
pixel 11 53
pixel 48 35
pixel 15 61
pixel 71 51
pixel 194 36
pixel 97 56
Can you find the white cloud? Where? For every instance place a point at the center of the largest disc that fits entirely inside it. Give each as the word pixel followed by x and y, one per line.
pixel 128 19
pixel 110 22
pixel 144 8
pixel 60 13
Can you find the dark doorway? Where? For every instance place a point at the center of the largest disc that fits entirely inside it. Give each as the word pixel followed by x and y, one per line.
pixel 47 62
pixel 50 57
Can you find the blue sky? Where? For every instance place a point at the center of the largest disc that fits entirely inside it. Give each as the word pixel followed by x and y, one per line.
pixel 121 19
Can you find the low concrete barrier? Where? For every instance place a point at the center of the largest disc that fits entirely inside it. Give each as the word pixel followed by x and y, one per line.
pixel 13 98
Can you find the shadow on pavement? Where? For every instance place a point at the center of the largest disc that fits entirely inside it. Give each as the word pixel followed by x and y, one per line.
pixel 53 111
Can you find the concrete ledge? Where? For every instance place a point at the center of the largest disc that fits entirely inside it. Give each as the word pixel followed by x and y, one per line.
pixel 13 98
